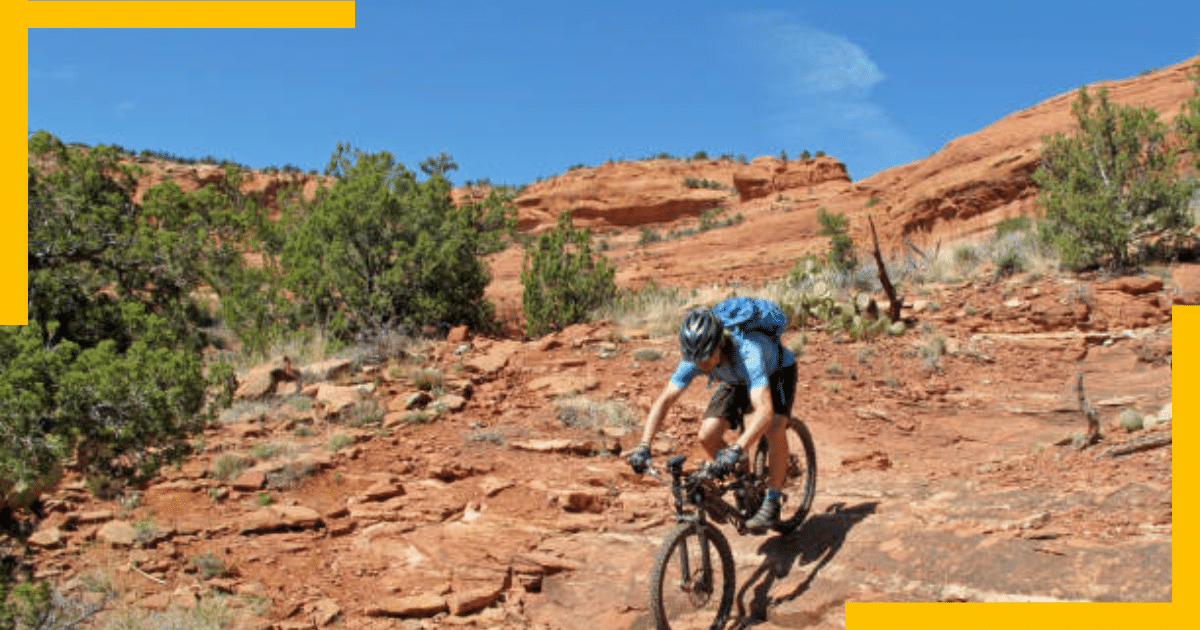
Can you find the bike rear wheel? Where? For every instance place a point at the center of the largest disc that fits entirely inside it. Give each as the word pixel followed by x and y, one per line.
pixel 800 484
pixel 692 582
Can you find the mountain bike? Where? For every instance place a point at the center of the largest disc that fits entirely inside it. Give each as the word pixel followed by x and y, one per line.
pixel 693 579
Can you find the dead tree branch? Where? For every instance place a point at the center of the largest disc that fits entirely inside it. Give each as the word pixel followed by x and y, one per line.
pixel 1141 444
pixel 1093 420
pixel 895 303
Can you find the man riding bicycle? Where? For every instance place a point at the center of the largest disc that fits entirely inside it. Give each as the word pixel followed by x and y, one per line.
pixel 756 374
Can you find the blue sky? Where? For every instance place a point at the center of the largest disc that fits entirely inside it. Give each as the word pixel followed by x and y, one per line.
pixel 517 91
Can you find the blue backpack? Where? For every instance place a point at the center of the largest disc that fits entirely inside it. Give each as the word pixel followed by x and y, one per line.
pixel 745 314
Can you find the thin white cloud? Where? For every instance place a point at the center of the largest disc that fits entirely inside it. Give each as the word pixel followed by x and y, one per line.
pixel 124 108
pixel 818 88
pixel 64 73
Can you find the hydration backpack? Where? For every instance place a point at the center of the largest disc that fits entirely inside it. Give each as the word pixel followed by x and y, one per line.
pixel 745 314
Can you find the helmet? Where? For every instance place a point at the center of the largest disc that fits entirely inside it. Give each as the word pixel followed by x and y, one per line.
pixel 699 335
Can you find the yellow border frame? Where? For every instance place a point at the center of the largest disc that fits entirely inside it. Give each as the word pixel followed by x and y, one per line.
pixel 24 15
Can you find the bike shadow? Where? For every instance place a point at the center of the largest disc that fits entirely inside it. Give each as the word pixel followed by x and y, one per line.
pixel 817 540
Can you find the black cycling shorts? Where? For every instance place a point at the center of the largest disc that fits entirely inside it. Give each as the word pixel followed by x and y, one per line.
pixel 733 401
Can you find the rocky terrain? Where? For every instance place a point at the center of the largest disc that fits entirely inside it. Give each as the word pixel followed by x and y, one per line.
pixel 478 482
pixel 348 496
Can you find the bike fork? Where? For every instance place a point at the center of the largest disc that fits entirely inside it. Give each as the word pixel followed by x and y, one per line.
pixel 705 560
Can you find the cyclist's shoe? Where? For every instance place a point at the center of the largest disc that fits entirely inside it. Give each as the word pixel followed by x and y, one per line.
pixel 766 518
pixel 727 460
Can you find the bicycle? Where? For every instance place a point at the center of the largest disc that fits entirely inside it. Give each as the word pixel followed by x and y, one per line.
pixel 684 582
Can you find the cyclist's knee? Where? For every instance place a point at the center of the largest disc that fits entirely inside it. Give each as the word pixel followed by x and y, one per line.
pixel 712 433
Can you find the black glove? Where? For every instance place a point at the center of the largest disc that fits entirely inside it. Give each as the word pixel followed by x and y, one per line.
pixel 639 459
pixel 726 460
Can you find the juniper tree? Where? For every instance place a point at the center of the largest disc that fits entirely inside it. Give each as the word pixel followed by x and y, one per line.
pixel 563 279
pixel 1110 186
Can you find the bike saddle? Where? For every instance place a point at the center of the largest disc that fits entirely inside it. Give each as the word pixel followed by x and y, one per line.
pixel 675 464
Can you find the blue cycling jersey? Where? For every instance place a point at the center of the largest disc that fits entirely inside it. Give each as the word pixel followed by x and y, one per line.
pixel 755 358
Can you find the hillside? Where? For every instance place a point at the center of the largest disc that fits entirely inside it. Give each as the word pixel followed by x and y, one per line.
pixel 476 482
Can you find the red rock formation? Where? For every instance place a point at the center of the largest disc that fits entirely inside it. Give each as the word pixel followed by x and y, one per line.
pixel 630 194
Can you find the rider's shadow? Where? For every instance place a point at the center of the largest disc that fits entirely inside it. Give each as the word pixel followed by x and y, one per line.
pixel 817 540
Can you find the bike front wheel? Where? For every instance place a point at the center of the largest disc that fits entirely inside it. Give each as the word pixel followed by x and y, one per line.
pixel 800 484
pixel 692 583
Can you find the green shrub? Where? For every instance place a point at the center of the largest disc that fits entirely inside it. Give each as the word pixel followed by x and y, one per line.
pixel 649 236
pixel 229 466
pixel 1131 420
pixel 340 441
pixel 841 245
pixel 1111 185
pixel 379 250
pixel 109 368
pixel 1187 123
pixel 1012 225
pixel 209 566
pixel 648 354
pixel 582 412
pixel 563 280
pixel 426 379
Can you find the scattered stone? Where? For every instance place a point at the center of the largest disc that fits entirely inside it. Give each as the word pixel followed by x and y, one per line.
pixel 46 538
pixel 117 534
pixel 335 398
pixel 555 385
pixel 462 604
pixel 382 490
pixel 560 445
pixel 1134 285
pixel 547 563
pixel 263 380
pixel 592 501
pixel 249 481
pixel 246 430
pixel 417 400
pixel 453 402
pixel 328 370
pixel 415 606
pixel 492 361
pixel 323 612
pixel 492 485
pixel 276 518
pixel 450 471
pixel 548 343
pixel 875 460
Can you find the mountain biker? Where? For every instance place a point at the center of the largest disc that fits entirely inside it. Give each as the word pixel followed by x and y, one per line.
pixel 757 384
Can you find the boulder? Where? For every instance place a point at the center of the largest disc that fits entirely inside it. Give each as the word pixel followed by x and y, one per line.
pixel 263 380
pixel 336 398
pixel 117 534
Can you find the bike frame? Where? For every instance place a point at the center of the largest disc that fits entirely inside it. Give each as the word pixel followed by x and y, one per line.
pixel 694 490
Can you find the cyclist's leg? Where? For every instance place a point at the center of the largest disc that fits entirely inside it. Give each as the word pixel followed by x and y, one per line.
pixel 712 434
pixel 783 391
pixel 724 412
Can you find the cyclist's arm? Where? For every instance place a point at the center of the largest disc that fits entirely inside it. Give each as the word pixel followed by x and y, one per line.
pixel 760 419
pixel 658 411
pixel 758 353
